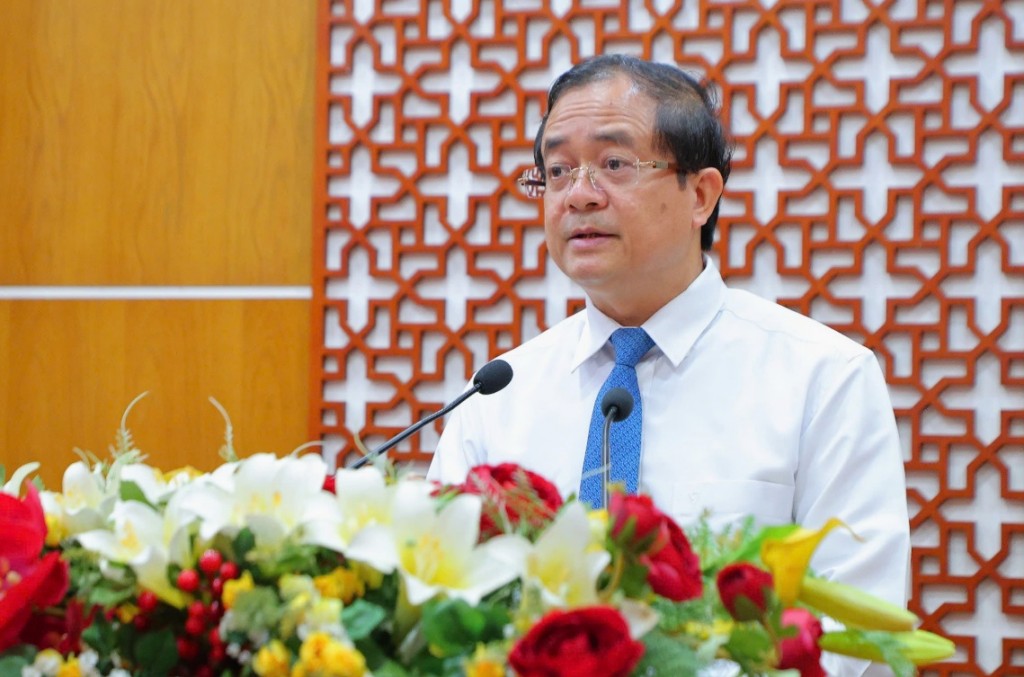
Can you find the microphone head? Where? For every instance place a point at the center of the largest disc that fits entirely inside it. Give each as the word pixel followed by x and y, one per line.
pixel 621 400
pixel 493 376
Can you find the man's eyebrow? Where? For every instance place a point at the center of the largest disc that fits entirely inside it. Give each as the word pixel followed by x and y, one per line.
pixel 617 137
pixel 551 143
pixel 614 136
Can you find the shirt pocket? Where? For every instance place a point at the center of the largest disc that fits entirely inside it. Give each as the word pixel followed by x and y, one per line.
pixel 729 502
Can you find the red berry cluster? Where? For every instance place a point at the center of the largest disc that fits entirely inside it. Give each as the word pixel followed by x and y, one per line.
pixel 201 642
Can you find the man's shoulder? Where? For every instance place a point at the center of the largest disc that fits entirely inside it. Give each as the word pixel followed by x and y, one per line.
pixel 563 335
pixel 767 318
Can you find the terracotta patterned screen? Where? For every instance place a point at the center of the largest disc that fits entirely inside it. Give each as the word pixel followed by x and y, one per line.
pixel 878 187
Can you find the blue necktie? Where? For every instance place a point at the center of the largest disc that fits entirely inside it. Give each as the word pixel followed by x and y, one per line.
pixel 630 345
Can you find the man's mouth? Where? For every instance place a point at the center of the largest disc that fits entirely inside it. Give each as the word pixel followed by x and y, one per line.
pixel 588 235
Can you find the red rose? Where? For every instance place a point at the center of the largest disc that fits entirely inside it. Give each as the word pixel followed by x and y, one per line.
pixel 577 643
pixel 43 585
pixel 636 522
pixel 743 581
pixel 513 493
pixel 23 525
pixel 674 570
pixel 802 651
pixel 26 582
pixel 59 630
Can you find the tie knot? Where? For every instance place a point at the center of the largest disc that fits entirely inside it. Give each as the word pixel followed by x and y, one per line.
pixel 631 343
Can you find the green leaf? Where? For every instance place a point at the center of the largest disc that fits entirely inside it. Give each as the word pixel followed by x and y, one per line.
pixel 360 618
pixel 750 551
pixel 110 597
pixel 100 635
pixel 452 627
pixel 379 661
pixel 156 651
pixel 751 647
pixel 675 615
pixel 633 581
pixel 666 656
pixel 11 666
pixel 130 491
pixel 390 669
pixel 244 541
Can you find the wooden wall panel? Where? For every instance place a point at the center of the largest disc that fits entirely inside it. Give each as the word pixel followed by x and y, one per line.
pixel 877 186
pixel 69 368
pixel 156 142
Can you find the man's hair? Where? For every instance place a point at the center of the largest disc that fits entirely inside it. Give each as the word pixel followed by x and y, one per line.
pixel 686 116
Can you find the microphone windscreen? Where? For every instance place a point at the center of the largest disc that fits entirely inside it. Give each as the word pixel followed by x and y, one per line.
pixel 621 400
pixel 493 376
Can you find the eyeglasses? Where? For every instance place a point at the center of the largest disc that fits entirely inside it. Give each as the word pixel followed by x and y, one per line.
pixel 613 171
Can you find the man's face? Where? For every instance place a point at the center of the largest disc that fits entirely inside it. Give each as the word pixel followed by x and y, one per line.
pixel 631 247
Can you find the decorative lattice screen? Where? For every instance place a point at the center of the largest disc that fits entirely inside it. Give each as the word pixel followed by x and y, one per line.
pixel 878 187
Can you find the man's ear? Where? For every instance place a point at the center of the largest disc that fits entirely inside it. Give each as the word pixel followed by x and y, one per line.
pixel 708 185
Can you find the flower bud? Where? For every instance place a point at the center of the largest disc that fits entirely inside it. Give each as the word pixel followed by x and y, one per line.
pixel 855 608
pixel 635 523
pixel 745 590
pixel 920 647
pixel 801 652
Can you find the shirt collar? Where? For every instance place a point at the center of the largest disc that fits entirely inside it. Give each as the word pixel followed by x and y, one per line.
pixel 674 328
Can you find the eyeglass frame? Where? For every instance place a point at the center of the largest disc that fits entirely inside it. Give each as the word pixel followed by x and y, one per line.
pixel 533 179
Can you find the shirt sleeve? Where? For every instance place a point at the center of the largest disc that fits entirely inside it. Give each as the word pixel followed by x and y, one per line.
pixel 851 467
pixel 456 449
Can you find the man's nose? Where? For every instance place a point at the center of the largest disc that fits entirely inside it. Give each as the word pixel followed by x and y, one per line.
pixel 584 193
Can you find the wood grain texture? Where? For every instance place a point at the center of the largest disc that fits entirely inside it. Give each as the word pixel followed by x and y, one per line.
pixel 156 142
pixel 69 368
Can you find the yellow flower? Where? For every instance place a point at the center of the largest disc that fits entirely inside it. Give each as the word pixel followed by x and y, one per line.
pixel 126 613
pixel 70 668
pixel 55 530
pixel 788 558
pixel 272 660
pixel 232 588
pixel 187 470
pixel 340 584
pixel 717 628
pixel 598 523
pixel 324 656
pixel 368 575
pixel 485 663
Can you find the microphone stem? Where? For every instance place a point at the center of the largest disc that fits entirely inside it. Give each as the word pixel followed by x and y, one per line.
pixel 414 428
pixel 606 457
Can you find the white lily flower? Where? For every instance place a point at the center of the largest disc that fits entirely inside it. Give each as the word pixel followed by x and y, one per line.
pixel 562 565
pixel 272 496
pixel 154 484
pixel 434 551
pixel 84 502
pixel 363 499
pixel 137 540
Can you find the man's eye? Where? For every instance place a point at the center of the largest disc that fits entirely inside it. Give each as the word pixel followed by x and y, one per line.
pixel 557 171
pixel 616 164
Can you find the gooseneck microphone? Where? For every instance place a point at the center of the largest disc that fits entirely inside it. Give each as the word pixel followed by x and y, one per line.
pixel 616 405
pixel 491 378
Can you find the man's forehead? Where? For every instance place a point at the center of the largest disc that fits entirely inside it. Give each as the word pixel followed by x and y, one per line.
pixel 610 111
pixel 609 135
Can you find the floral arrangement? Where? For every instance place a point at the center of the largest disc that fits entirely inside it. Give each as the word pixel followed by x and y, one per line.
pixel 275 567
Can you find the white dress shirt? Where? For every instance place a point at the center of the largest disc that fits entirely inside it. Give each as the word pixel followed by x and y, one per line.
pixel 748 409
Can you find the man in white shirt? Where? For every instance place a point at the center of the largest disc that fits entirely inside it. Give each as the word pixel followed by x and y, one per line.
pixel 747 408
